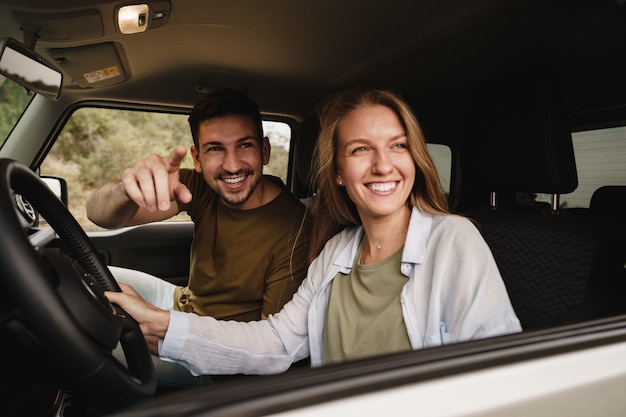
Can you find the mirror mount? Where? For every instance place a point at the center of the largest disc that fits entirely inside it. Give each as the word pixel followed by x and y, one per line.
pixel 30 39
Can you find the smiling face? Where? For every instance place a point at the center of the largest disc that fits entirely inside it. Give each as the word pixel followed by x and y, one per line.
pixel 230 156
pixel 374 163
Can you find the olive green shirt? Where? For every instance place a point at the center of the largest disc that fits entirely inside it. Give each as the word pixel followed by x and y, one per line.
pixel 243 262
pixel 364 316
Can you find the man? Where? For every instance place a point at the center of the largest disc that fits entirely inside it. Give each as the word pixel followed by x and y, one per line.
pixel 249 251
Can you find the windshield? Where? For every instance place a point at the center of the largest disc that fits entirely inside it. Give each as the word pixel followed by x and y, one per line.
pixel 13 101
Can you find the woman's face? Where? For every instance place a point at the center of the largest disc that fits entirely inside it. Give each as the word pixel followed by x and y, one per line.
pixel 374 163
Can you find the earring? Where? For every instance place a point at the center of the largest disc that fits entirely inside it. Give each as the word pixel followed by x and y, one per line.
pixel 341 183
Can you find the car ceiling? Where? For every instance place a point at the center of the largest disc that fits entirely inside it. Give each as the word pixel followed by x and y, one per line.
pixel 289 54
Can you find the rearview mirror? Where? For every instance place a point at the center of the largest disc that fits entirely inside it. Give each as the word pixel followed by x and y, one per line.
pixel 29 69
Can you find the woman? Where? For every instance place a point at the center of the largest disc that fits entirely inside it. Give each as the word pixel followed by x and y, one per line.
pixel 398 272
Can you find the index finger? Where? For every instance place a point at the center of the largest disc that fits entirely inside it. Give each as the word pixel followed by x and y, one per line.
pixel 175 158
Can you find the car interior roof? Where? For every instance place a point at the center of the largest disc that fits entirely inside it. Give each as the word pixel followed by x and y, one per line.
pixel 289 55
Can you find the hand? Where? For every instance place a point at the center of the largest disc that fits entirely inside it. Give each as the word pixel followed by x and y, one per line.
pixel 153 183
pixel 153 321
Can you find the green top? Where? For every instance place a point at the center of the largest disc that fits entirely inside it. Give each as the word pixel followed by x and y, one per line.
pixel 364 316
pixel 243 262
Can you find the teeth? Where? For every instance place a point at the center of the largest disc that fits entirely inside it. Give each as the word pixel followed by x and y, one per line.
pixel 388 186
pixel 233 180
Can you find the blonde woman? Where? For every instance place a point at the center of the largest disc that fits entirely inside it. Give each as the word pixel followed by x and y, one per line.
pixel 392 269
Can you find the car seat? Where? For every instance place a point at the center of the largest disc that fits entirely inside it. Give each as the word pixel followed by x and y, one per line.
pixel 558 266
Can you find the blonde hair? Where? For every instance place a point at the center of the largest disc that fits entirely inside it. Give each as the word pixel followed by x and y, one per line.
pixel 333 209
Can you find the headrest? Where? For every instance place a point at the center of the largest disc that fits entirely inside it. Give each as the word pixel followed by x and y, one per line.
pixel 519 137
pixel 609 200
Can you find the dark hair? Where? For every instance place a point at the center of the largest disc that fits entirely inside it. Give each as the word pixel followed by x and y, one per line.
pixel 220 103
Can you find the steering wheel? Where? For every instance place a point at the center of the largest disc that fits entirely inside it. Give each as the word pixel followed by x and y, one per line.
pixel 59 295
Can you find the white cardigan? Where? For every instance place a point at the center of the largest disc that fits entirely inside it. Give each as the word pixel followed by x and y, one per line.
pixel 454 293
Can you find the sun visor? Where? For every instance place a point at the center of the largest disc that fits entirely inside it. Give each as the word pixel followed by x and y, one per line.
pixel 91 66
pixel 50 27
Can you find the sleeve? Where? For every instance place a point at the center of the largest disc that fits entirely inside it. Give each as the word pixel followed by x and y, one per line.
pixel 475 302
pixel 185 176
pixel 207 346
pixel 201 192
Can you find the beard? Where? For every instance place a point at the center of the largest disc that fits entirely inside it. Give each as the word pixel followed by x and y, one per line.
pixel 236 198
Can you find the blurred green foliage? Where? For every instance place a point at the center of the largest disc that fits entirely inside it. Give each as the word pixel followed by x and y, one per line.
pixel 97 144
pixel 13 101
pixel 104 142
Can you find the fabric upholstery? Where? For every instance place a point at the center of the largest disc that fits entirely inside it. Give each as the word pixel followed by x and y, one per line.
pixel 558 267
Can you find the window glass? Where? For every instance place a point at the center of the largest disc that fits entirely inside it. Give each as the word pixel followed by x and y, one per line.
pixel 442 157
pixel 279 134
pixel 97 144
pixel 600 160
pixel 13 102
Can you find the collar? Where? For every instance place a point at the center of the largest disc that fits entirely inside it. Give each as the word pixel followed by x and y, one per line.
pixel 420 226
pixel 417 237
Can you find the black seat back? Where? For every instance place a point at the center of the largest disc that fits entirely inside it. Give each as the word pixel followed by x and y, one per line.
pixel 609 200
pixel 558 266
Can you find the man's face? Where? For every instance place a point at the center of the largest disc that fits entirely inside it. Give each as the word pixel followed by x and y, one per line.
pixel 230 156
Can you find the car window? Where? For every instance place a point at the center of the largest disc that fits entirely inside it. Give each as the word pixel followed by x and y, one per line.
pixel 97 144
pixel 600 160
pixel 442 157
pixel 13 100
